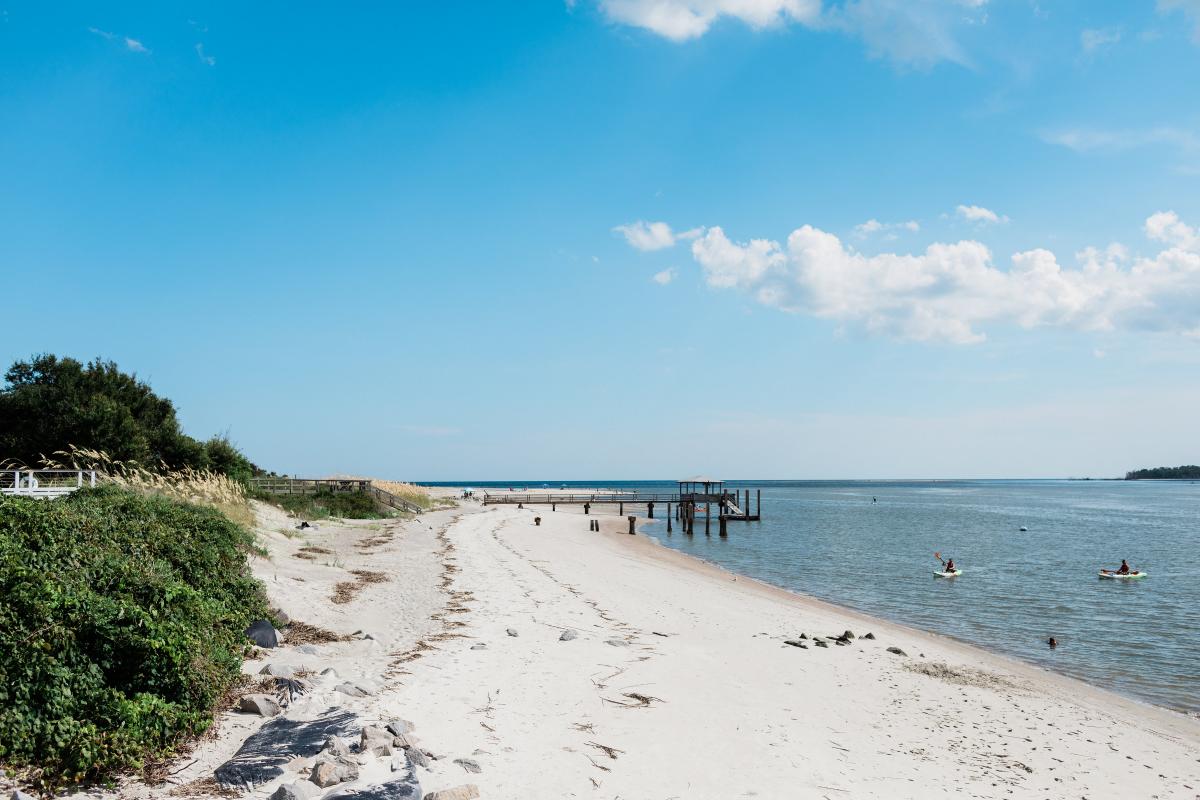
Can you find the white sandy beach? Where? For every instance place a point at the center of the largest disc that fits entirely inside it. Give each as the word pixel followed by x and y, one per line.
pixel 678 685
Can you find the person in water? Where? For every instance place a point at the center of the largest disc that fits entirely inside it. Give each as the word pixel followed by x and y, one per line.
pixel 950 565
pixel 1124 569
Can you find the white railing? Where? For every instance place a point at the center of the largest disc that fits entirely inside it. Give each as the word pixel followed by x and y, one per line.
pixel 48 483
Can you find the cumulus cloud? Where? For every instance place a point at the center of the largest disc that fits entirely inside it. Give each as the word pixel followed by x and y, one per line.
pixel 664 277
pixel 979 214
pixel 649 236
pixel 903 30
pixel 950 292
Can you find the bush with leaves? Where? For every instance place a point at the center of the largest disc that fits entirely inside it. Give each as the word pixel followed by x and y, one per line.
pixel 121 627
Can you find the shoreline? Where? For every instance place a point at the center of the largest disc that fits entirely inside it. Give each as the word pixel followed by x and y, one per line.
pixel 688 561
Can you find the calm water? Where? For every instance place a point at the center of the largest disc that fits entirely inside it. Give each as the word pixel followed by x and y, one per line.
pixel 1142 638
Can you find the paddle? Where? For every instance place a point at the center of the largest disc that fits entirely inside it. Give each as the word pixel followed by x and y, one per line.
pixel 938 556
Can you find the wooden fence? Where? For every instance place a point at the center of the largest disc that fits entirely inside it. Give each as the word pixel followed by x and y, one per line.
pixel 382 497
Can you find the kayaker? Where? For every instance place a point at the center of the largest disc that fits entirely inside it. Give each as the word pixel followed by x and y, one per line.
pixel 950 565
pixel 1124 570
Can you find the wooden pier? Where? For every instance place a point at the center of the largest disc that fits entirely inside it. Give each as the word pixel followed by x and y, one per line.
pixel 683 507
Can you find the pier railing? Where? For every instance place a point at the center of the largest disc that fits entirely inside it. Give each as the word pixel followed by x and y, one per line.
pixel 45 483
pixel 566 499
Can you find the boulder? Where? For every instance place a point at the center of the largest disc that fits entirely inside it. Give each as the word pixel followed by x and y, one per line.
pixel 848 635
pixel 281 616
pixel 803 636
pixel 264 756
pixel 796 643
pixel 330 770
pixel 278 670
pixel 404 741
pixel 897 651
pixel 404 788
pixel 335 745
pixel 840 642
pixel 300 790
pixel 399 727
pixel 376 741
pixel 512 632
pixel 469 764
pixel 417 756
pixel 868 636
pixel 567 636
pixel 262 704
pixel 352 689
pixel 820 643
pixel 263 634
pixel 468 791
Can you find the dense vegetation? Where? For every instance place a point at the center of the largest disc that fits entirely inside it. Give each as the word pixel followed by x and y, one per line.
pixel 49 404
pixel 120 628
pixel 322 504
pixel 1188 471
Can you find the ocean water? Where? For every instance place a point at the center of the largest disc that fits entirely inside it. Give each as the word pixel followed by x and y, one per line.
pixel 829 540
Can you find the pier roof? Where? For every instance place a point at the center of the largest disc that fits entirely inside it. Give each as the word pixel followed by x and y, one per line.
pixel 701 479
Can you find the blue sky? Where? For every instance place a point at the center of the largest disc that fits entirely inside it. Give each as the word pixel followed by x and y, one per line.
pixel 621 238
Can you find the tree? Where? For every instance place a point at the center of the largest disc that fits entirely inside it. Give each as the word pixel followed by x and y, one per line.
pixel 49 403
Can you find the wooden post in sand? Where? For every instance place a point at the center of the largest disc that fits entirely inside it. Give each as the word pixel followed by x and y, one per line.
pixel 632 522
pixel 587 508
pixel 554 506
pixel 620 509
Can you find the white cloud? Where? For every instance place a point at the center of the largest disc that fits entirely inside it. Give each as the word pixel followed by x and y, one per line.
pixel 664 277
pixel 133 45
pixel 207 59
pixel 648 236
pixel 1190 8
pixel 979 214
pixel 906 31
pixel 871 226
pixel 680 20
pixel 948 292
pixel 1092 39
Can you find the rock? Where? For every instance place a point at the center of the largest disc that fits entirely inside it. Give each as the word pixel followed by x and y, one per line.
pixel 262 704
pixel 469 764
pixel 263 757
pixel 404 788
pixel 263 634
pixel 617 642
pixel 352 689
pixel 376 741
pixel 868 636
pixel 841 642
pixel 417 756
pixel 567 636
pixel 512 632
pixel 281 617
pixel 404 740
pixel 804 636
pixel 480 646
pixel 329 671
pixel 468 791
pixel 331 770
pixel 335 745
pixel 278 670
pixel 300 790
pixel 848 635
pixel 399 727
pixel 308 649
pixel 19 795
pixel 820 643
pixel 897 651
pixel 796 643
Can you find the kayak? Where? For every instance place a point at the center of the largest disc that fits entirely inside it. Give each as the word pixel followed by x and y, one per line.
pixel 953 574
pixel 1127 577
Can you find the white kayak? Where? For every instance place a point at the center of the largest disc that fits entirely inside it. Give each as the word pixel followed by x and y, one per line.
pixel 1116 576
pixel 953 574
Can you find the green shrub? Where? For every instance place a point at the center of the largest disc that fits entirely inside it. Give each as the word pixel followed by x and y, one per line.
pixel 121 627
pixel 322 504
